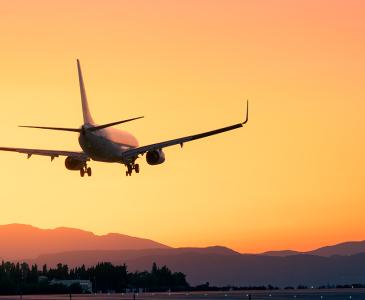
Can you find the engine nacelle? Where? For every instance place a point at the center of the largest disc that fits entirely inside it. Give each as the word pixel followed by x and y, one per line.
pixel 155 157
pixel 74 164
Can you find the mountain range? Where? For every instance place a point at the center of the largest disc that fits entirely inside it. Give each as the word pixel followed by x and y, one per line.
pixel 338 264
pixel 20 241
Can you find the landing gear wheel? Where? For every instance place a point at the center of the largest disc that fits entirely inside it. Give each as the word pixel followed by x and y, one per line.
pixel 130 170
pixel 82 172
pixel 136 168
pixel 88 170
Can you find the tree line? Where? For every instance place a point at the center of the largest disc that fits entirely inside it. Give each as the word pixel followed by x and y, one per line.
pixel 21 278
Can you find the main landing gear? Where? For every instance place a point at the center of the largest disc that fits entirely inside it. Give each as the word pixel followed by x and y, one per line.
pixel 85 170
pixel 130 169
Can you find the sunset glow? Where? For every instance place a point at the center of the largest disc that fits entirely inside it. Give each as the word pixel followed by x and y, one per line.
pixel 292 178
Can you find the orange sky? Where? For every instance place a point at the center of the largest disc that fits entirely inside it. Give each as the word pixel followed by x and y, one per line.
pixel 293 178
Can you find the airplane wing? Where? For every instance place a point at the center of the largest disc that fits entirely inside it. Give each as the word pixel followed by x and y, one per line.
pixel 51 153
pixel 133 153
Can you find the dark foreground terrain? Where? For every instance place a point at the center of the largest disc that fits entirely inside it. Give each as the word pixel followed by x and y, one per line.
pixel 338 294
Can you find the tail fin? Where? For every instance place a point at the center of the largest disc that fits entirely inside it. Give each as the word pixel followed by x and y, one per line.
pixel 85 106
pixel 85 111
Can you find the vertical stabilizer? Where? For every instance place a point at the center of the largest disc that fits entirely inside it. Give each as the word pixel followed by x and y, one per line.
pixel 85 106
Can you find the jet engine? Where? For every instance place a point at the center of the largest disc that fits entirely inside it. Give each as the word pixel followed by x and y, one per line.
pixel 155 157
pixel 74 164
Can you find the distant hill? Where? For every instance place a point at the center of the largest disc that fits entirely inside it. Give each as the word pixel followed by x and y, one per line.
pixel 20 241
pixel 347 248
pixel 92 257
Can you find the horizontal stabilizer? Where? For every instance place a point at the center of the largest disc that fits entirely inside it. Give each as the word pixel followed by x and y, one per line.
pixel 53 128
pixel 95 128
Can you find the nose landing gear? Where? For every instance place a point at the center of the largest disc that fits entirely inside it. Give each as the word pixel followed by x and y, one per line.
pixel 130 169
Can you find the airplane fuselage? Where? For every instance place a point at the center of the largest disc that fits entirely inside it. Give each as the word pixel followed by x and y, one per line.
pixel 107 145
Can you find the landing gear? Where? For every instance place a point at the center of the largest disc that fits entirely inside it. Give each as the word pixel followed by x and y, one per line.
pixel 85 170
pixel 130 169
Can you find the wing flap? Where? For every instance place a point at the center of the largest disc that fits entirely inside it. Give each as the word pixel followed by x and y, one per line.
pixel 182 140
pixel 141 150
pixel 42 152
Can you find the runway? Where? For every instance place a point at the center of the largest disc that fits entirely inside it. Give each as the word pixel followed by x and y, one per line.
pixel 339 294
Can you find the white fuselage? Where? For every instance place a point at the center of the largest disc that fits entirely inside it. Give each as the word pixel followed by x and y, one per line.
pixel 107 145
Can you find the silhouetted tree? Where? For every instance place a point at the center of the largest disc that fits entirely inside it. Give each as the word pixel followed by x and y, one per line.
pixel 16 278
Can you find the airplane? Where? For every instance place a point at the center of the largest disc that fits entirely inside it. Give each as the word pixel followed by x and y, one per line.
pixel 106 144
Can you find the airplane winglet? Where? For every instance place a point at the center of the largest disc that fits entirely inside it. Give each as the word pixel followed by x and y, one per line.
pixel 246 120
